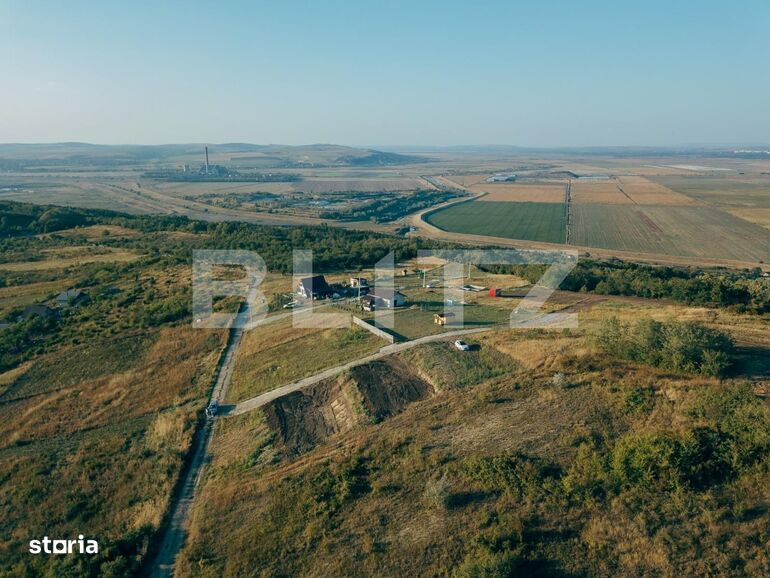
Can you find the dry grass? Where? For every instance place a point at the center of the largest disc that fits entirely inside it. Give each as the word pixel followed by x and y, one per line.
pixel 598 191
pixel 62 258
pixel 391 529
pixel 646 192
pixel 19 295
pixel 512 192
pixel 276 354
pixel 238 438
pixel 531 353
pixel 110 429
pixel 98 232
pixel 168 430
pixel 758 215
pixel 171 372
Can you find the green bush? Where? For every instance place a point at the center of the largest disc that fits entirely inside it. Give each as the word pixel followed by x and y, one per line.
pixel 502 565
pixel 516 474
pixel 677 346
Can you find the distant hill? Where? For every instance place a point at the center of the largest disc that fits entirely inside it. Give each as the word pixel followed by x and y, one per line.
pixel 19 156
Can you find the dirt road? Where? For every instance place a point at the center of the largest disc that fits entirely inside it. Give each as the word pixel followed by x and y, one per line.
pixel 273 394
pixel 268 396
pixel 174 532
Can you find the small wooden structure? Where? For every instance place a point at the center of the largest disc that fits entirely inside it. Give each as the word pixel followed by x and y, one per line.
pixel 441 318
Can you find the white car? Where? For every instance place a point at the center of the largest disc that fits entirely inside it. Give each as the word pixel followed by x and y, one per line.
pixel 462 346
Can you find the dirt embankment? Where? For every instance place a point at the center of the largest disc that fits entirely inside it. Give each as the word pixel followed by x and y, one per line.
pixel 365 394
pixel 388 386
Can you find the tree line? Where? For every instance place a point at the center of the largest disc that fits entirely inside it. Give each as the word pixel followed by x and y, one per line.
pixel 744 291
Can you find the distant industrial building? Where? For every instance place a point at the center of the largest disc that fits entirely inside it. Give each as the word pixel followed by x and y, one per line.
pixel 502 178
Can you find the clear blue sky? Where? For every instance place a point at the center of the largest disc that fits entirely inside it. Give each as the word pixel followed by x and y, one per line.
pixel 531 73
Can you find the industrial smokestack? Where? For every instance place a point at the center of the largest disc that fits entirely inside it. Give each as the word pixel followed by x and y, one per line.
pixel 207 159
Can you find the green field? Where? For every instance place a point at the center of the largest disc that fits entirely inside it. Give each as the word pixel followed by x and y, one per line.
pixel 694 231
pixel 528 221
pixel 668 230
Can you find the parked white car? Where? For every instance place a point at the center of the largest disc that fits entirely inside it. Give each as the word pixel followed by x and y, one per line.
pixel 462 346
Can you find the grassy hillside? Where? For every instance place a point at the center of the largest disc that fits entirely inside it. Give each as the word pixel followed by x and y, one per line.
pixel 551 452
pixel 538 455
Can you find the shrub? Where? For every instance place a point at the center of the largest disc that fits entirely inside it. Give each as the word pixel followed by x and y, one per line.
pixel 678 346
pixel 436 492
pixel 500 565
pixel 515 473
pixel 646 460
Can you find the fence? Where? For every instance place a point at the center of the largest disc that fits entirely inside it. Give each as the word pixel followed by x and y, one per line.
pixel 376 330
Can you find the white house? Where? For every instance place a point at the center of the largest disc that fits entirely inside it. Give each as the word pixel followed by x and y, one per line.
pixel 387 297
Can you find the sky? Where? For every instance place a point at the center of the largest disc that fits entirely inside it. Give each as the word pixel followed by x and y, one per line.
pixel 420 72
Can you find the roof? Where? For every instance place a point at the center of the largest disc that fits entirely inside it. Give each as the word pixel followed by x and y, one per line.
pixel 314 284
pixel 385 293
pixel 40 309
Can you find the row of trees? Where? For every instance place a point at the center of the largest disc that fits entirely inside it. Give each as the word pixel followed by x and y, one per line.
pixel 23 219
pixel 744 291
pixel 385 210
pixel 334 249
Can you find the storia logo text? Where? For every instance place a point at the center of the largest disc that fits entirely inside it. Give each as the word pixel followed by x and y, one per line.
pixel 49 546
